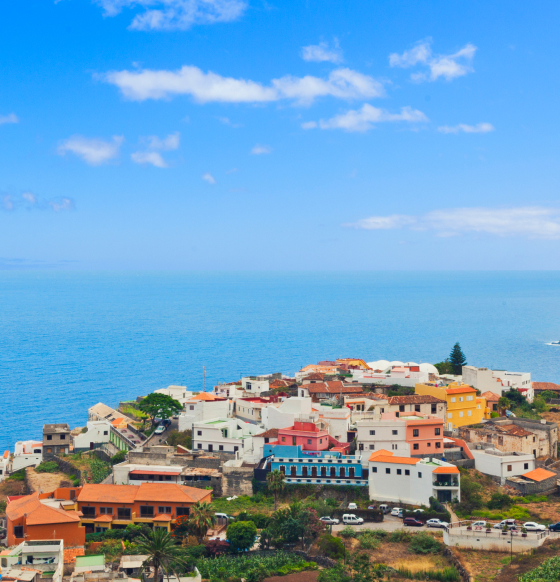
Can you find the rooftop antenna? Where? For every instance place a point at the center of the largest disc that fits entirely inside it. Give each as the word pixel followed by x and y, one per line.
pixel 203 378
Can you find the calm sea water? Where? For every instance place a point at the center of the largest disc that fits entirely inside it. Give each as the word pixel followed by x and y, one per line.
pixel 71 339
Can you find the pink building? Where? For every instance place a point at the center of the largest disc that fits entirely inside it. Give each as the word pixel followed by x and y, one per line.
pixel 424 434
pixel 305 434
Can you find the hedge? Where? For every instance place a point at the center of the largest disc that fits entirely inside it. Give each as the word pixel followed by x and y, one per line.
pixel 427 514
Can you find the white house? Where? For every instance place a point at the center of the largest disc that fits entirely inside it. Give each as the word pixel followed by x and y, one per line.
pixel 27 454
pixel 254 385
pixel 498 381
pixel 179 393
pixel 98 432
pixel 336 419
pixel 285 415
pixel 502 464
pixel 201 407
pixel 133 474
pixel 4 465
pixel 412 481
pixel 251 409
pixel 228 435
pixel 375 435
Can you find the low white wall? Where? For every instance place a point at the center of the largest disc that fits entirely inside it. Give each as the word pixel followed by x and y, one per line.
pixel 494 541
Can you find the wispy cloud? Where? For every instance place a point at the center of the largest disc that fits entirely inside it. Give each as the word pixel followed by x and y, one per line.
pixel 209 178
pixel 10 118
pixel 227 121
pixel 364 118
pixel 93 151
pixel 322 52
pixel 535 222
pixel 140 85
pixel 446 66
pixel 154 143
pixel 261 149
pixel 176 14
pixel 30 201
pixel 464 128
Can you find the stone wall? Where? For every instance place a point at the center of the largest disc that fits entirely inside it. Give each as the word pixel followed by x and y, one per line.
pixel 547 486
pixel 237 481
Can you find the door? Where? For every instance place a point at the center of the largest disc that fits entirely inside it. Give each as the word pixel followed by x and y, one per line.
pixel 304 471
pixel 91 446
pixel 294 474
pixel 351 472
pixel 323 471
pixel 342 472
pixel 314 471
pixel 210 448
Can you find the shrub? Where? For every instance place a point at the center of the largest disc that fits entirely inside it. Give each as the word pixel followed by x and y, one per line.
pixel 548 571
pixel 348 532
pixel 241 535
pixel 17 475
pixel 423 543
pixel 118 458
pixel 47 467
pixel 499 501
pixel 3 504
pixel 261 520
pixel 216 548
pixel 331 547
pixel 180 438
pixel 400 536
pixel 380 534
pixel 368 540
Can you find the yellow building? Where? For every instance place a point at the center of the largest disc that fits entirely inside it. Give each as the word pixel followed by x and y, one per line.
pixel 463 405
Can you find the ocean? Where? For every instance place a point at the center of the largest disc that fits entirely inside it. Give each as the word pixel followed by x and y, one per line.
pixel 71 339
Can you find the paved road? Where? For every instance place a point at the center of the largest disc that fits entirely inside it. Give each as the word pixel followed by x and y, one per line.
pixel 389 523
pixel 158 439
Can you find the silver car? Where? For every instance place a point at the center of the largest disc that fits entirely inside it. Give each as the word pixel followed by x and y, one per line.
pixel 436 523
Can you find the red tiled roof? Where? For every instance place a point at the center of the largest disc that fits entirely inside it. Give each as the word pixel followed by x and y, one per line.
pixel 37 512
pixel 445 470
pixel 70 554
pixel 545 386
pixel 395 460
pixel 162 517
pixel 490 396
pixel 460 390
pixel 269 434
pixel 414 399
pixel 539 475
pixel 333 388
pixel 154 492
pixel 104 518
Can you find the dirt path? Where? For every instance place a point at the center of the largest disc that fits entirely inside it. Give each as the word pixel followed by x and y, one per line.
pixel 44 482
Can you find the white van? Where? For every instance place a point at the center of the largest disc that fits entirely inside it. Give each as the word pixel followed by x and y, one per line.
pixel 351 519
pixel 384 508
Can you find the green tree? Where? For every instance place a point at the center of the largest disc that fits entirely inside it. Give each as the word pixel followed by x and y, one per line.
pixel 503 403
pixel 444 367
pixel 457 359
pixel 160 405
pixel 161 551
pixel 201 519
pixel 275 483
pixel 180 438
pixel 337 573
pixel 332 547
pixel 241 535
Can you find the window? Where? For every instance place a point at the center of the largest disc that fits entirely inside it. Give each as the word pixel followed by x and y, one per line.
pixel 382 410
pixel 417 407
pixel 500 440
pixel 453 399
pixel 469 398
pixel 88 511
pixel 437 431
pixel 18 531
pixel 415 432
pixel 415 446
pixel 407 471
pixel 534 439
pixel 388 471
pixel 105 511
pixel 526 466
pixel 235 449
pixel 509 467
pixel 372 447
pixel 123 513
pixel 146 511
pixel 394 447
pixel 460 399
pixel 438 445
pixel 460 413
pixel 105 433
pixel 419 475
pixel 372 433
pixel 309 441
pixel 429 444
pixel 182 511
pixel 49 437
pixel 395 432
pixel 469 413
pixel 374 469
pixel 221 447
pixel 399 471
pixel 62 437
pixel 191 407
pixel 434 408
pixel 283 439
pixel 401 408
pixel 199 445
pixel 49 450
pixel 164 509
pixel 199 432
pixel 449 415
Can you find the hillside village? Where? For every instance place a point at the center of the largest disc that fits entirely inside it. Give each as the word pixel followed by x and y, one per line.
pixel 468 460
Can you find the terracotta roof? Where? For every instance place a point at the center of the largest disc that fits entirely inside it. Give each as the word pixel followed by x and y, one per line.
pixel 380 453
pixel 315 376
pixel 206 396
pixel 92 493
pixel 269 434
pixel 375 396
pixel 333 388
pixel 162 517
pixel 154 492
pixel 545 386
pixel 446 470
pixel 104 518
pixel 415 399
pixel 490 396
pixel 396 460
pixel 6 454
pixel 514 430
pixel 37 512
pixel 70 554
pixel 117 421
pixel 539 474
pixel 460 390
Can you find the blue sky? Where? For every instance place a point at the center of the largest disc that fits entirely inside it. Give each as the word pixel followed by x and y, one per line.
pixel 231 134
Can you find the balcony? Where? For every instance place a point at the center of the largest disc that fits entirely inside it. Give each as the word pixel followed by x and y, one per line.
pixel 446 482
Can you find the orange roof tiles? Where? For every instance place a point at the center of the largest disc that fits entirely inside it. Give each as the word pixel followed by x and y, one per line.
pixel 396 460
pixel 38 513
pixel 446 470
pixel 206 396
pixel 91 493
pixel 105 518
pixel 539 475
pixel 380 453
pixel 162 517
pixel 545 386
pixel 460 390
pixel 146 492
pixel 70 554
pixel 490 396
pixel 6 454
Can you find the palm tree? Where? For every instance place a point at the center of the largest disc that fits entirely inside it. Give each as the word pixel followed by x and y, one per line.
pixel 275 483
pixel 201 518
pixel 162 552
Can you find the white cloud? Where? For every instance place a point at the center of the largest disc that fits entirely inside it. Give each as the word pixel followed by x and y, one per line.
pixel 227 121
pixel 526 221
pixel 171 142
pixel 261 149
pixel 446 66
pixel 321 52
pixel 93 151
pixel 10 118
pixel 30 201
pixel 211 87
pixel 463 127
pixel 153 158
pixel 209 178
pixel 176 14
pixel 364 119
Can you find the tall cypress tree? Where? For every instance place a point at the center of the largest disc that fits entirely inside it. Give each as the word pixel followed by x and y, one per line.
pixel 457 359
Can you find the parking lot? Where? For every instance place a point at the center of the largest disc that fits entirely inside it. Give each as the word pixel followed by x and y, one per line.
pixel 389 523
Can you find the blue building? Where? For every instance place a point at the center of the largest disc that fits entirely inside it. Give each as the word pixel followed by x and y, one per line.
pixel 316 467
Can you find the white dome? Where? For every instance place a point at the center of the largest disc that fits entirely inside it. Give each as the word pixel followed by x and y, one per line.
pixel 379 365
pixel 411 364
pixel 397 363
pixel 430 368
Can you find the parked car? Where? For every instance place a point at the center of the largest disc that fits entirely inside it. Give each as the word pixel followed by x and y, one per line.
pixel 533 526
pixel 479 524
pixel 554 526
pixel 412 521
pixel 160 429
pixel 224 516
pixel 418 511
pixel 352 506
pixel 384 508
pixel 397 511
pixel 504 523
pixel 330 520
pixel 372 507
pixel 436 523
pixel 351 519
pixel 167 422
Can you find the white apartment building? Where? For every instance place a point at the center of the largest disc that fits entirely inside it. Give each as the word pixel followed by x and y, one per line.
pixel 501 465
pixel 133 474
pixel 497 381
pixel 4 465
pixel 98 432
pixel 179 393
pixel 375 435
pixel 285 415
pixel 254 385
pixel 227 435
pixel 251 409
pixel 201 407
pixel 336 419
pixel 412 481
pixel 27 454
